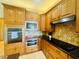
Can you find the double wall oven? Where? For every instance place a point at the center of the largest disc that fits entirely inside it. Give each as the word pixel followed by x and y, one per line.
pixel 31 33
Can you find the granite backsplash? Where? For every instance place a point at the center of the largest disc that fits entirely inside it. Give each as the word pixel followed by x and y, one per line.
pixel 66 32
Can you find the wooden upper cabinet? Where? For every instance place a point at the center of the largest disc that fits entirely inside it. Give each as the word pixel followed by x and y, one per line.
pixel 20 15
pixel 77 17
pixel 63 7
pixel 56 12
pixel 71 7
pixel 42 22
pixel 48 20
pixel 9 14
pixel 14 15
pixel 32 16
pixel 67 7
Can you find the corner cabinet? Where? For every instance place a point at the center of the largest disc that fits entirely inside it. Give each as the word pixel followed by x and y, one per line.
pixel 13 15
pixel 53 52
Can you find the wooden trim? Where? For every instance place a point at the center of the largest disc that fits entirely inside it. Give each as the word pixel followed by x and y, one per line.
pixel 12 6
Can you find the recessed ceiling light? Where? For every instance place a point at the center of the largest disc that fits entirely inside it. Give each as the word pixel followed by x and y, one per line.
pixel 37 1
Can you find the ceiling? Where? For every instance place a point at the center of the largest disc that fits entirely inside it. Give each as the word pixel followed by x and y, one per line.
pixel 38 6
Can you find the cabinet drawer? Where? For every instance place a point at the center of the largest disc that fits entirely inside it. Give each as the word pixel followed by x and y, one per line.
pixel 31 49
pixel 14 48
pixel 49 56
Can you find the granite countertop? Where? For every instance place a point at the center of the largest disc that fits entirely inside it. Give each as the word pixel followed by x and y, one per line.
pixel 70 49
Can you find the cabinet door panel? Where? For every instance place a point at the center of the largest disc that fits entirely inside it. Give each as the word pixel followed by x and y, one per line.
pixel 10 50
pixel 20 16
pixel 67 7
pixel 1 48
pixel 48 20
pixel 63 7
pixel 71 7
pixel 43 20
pixel 9 14
pixel 77 17
pixel 69 57
pixel 1 29
pixel 13 48
pixel 53 51
pixel 21 48
pixel 56 12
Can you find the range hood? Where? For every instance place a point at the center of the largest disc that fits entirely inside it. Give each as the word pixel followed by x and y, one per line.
pixel 64 19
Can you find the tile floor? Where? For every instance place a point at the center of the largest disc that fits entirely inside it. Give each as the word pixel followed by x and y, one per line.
pixel 36 55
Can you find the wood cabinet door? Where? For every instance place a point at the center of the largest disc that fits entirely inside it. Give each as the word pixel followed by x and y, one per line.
pixel 67 7
pixel 14 48
pixel 71 6
pixel 20 16
pixel 56 12
pixel 42 44
pixel 10 49
pixel 20 48
pixel 77 17
pixel 42 22
pixel 48 20
pixel 69 57
pixel 1 48
pixel 63 7
pixel 9 14
pixel 54 52
pixel 1 29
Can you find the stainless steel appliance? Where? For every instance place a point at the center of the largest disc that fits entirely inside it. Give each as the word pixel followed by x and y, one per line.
pixel 32 33
pixel 64 19
pixel 31 38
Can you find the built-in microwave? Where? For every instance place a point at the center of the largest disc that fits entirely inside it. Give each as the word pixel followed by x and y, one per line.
pixel 31 25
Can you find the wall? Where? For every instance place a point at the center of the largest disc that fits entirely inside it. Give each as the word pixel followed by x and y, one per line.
pixel 66 32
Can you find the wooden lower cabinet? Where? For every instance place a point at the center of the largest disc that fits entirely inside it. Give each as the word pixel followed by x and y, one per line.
pixel 31 49
pixel 70 57
pixel 14 48
pixel 52 52
pixel 1 48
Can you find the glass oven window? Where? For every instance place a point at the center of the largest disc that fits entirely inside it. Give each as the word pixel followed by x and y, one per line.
pixel 14 35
